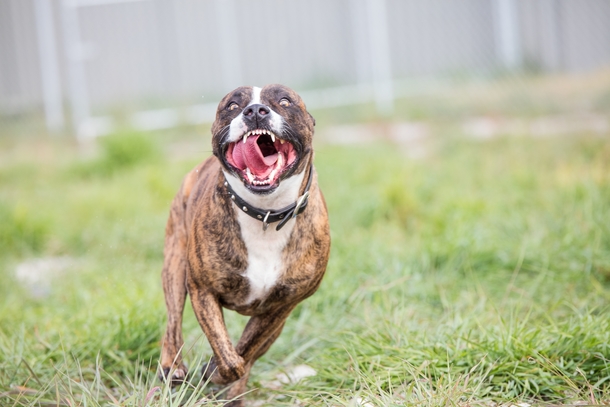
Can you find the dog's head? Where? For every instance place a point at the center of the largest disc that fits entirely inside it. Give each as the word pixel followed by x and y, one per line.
pixel 262 136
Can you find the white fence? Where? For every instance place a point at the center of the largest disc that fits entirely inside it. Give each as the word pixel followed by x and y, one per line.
pixel 84 59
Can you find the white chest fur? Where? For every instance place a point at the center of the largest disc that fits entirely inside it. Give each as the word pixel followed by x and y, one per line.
pixel 265 248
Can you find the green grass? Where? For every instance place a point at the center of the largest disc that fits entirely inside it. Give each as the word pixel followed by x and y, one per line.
pixel 478 274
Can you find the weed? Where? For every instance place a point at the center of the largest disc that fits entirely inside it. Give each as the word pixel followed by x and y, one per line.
pixel 119 152
pixel 476 275
pixel 22 230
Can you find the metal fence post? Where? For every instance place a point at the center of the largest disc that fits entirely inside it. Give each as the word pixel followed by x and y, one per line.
pixel 506 27
pixel 49 66
pixel 77 80
pixel 380 56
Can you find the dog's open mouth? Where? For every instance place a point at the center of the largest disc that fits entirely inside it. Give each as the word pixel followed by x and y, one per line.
pixel 261 157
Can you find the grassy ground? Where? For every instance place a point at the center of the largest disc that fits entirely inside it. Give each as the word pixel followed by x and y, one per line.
pixel 479 274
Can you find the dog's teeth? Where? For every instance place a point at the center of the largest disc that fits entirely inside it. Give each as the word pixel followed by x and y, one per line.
pixel 249 175
pixel 282 141
pixel 272 136
pixel 245 137
pixel 272 175
pixel 280 160
pixel 263 182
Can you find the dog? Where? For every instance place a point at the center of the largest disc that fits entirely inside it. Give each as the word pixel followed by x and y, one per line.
pixel 247 231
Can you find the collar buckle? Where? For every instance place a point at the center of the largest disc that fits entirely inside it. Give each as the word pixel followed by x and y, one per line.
pixel 299 204
pixel 265 224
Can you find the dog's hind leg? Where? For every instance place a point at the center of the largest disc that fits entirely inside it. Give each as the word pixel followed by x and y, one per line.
pixel 174 287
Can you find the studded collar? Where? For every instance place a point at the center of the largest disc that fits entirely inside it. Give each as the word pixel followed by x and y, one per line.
pixel 266 216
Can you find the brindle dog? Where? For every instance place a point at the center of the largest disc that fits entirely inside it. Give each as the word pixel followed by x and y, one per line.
pixel 230 242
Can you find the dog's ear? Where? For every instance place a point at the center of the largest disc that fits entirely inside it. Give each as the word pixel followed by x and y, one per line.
pixel 312 118
pixel 216 136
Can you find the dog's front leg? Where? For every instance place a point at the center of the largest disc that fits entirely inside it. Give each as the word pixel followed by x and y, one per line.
pixel 172 368
pixel 174 287
pixel 230 364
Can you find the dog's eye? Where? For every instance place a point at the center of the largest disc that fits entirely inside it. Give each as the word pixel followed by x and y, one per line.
pixel 285 102
pixel 233 106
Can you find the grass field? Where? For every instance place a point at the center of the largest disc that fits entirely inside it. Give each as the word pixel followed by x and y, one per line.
pixel 476 275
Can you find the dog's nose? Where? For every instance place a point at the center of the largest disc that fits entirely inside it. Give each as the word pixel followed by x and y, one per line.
pixel 256 111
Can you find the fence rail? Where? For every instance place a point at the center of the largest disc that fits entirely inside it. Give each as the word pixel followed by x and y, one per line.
pixel 90 57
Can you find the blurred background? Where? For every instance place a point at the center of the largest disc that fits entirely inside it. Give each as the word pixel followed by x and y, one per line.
pixel 88 67
pixel 463 148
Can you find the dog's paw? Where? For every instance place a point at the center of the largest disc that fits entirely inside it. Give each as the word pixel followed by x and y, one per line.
pixel 174 375
pixel 209 369
pixel 210 373
pixel 223 375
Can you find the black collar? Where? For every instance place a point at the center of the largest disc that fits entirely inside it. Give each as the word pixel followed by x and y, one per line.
pixel 270 216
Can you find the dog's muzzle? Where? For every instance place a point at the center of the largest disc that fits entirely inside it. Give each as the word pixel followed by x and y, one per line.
pixel 261 156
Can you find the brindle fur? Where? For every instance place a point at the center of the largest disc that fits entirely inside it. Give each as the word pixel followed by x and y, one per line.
pixel 206 257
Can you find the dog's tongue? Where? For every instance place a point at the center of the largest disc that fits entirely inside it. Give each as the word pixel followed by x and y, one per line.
pixel 249 155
